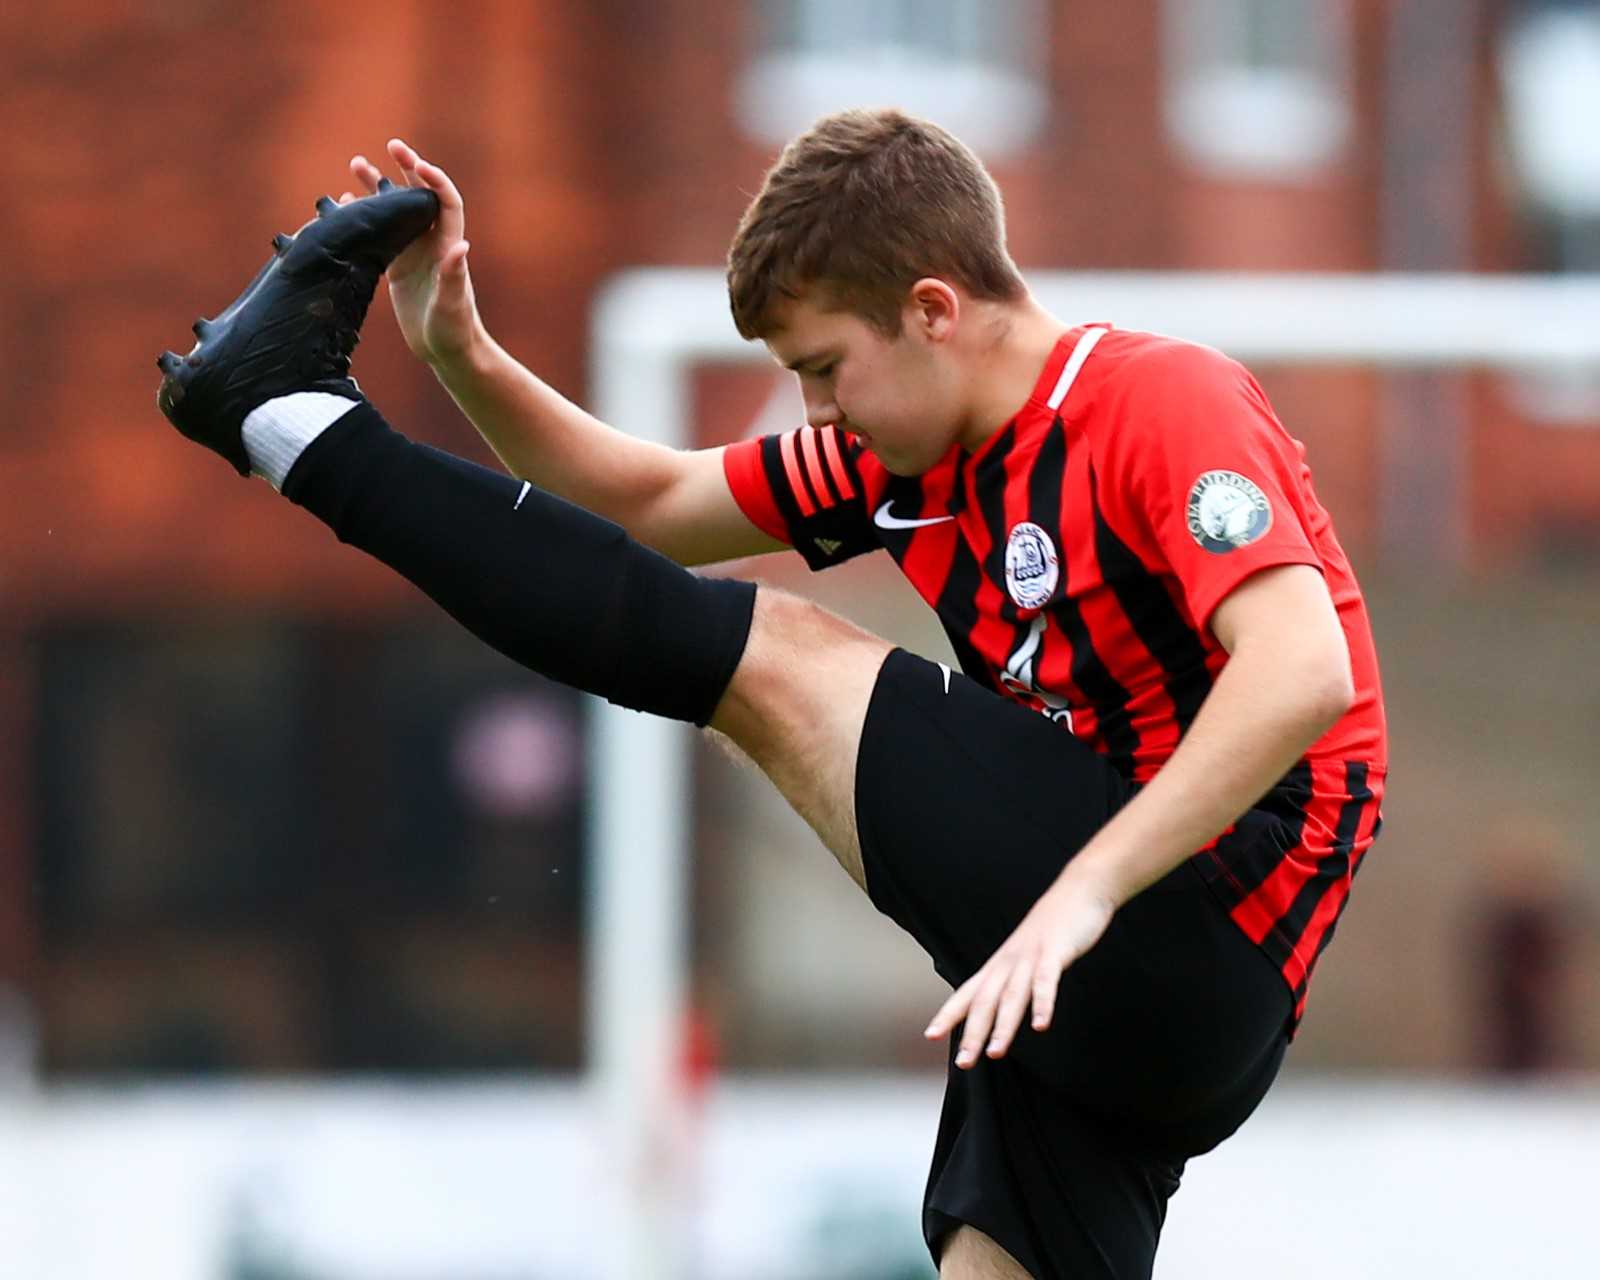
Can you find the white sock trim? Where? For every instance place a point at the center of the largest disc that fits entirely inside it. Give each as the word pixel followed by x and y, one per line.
pixel 277 432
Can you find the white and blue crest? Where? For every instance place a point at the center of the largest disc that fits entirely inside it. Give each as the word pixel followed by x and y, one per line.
pixel 1226 511
pixel 1032 568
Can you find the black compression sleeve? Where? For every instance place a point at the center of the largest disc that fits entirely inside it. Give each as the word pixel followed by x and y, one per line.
pixel 549 584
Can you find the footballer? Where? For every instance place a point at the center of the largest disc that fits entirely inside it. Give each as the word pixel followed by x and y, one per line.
pixel 1123 831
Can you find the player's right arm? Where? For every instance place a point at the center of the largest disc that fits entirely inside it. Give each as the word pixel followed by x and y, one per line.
pixel 677 501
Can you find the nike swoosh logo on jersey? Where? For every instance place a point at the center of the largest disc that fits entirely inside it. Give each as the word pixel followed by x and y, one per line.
pixel 886 519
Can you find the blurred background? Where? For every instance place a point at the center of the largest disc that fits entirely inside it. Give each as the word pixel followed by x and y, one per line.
pixel 293 873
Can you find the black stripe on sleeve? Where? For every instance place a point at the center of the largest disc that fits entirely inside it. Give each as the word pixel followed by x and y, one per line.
pixel 819 501
pixel 834 496
pixel 778 482
pixel 833 533
pixel 851 451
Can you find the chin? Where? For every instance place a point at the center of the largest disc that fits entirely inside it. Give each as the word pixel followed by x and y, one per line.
pixel 894 462
pixel 900 466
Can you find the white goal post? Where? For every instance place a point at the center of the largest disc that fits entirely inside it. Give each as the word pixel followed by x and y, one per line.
pixel 648 329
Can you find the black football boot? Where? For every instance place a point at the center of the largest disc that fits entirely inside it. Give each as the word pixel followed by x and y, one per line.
pixel 296 324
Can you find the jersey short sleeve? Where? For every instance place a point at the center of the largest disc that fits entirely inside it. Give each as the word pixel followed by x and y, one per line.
pixel 805 488
pixel 1222 488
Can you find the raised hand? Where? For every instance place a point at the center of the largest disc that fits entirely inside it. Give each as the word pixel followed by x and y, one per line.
pixel 429 284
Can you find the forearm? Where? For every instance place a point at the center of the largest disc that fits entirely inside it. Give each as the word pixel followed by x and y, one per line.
pixel 674 501
pixel 544 438
pixel 1262 714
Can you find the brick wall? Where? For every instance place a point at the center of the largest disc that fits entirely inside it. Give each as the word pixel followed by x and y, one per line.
pixel 154 149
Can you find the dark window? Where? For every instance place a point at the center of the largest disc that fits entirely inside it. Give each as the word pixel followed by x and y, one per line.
pixel 284 847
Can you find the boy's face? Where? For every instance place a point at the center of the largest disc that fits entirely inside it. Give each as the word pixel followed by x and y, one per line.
pixel 896 394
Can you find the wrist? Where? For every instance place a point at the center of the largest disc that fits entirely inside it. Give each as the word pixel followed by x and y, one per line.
pixel 466 360
pixel 1097 872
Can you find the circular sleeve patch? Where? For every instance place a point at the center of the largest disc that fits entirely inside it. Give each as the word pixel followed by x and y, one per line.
pixel 1226 510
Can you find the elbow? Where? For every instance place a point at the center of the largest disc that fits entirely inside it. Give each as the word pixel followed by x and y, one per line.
pixel 1331 690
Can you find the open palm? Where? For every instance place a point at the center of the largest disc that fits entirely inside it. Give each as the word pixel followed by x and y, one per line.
pixel 429 284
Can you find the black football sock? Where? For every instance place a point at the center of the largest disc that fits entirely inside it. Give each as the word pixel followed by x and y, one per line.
pixel 549 584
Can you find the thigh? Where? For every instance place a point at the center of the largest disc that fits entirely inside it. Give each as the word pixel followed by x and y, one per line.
pixel 1173 1027
pixel 968 807
pixel 971 1255
pixel 1046 1180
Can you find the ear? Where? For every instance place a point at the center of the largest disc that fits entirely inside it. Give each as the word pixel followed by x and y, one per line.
pixel 933 309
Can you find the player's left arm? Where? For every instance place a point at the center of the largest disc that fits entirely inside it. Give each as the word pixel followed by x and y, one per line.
pixel 1286 682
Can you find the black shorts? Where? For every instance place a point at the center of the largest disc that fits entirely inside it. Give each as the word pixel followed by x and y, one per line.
pixel 1166 1034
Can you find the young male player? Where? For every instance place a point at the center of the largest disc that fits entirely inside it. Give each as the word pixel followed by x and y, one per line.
pixel 1134 818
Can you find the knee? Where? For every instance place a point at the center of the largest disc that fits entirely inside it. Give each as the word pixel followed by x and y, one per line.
pixel 796 641
pixel 802 666
pixel 782 618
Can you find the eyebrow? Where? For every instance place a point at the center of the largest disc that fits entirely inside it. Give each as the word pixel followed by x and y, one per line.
pixel 808 359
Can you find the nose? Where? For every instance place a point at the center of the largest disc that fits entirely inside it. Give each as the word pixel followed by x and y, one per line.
pixel 821 411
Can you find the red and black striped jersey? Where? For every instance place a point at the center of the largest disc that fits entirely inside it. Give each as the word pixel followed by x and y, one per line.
pixel 1075 559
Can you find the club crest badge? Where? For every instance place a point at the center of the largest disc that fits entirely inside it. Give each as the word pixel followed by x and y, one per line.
pixel 1032 569
pixel 1226 511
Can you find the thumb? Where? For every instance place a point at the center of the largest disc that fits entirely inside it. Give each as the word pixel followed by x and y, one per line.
pixel 454 263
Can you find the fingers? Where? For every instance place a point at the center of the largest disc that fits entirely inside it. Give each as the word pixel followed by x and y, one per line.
pixel 994 1002
pixel 452 289
pixel 371 177
pixel 954 1009
pixel 437 180
pixel 415 172
pixel 404 155
pixel 419 173
pixel 977 1000
pixel 1046 982
pixel 1014 998
pixel 980 1017
pixel 365 173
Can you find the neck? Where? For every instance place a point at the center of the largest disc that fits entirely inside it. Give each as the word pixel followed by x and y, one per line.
pixel 1011 343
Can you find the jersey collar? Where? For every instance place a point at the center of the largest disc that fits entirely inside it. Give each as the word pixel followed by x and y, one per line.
pixel 1038 402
